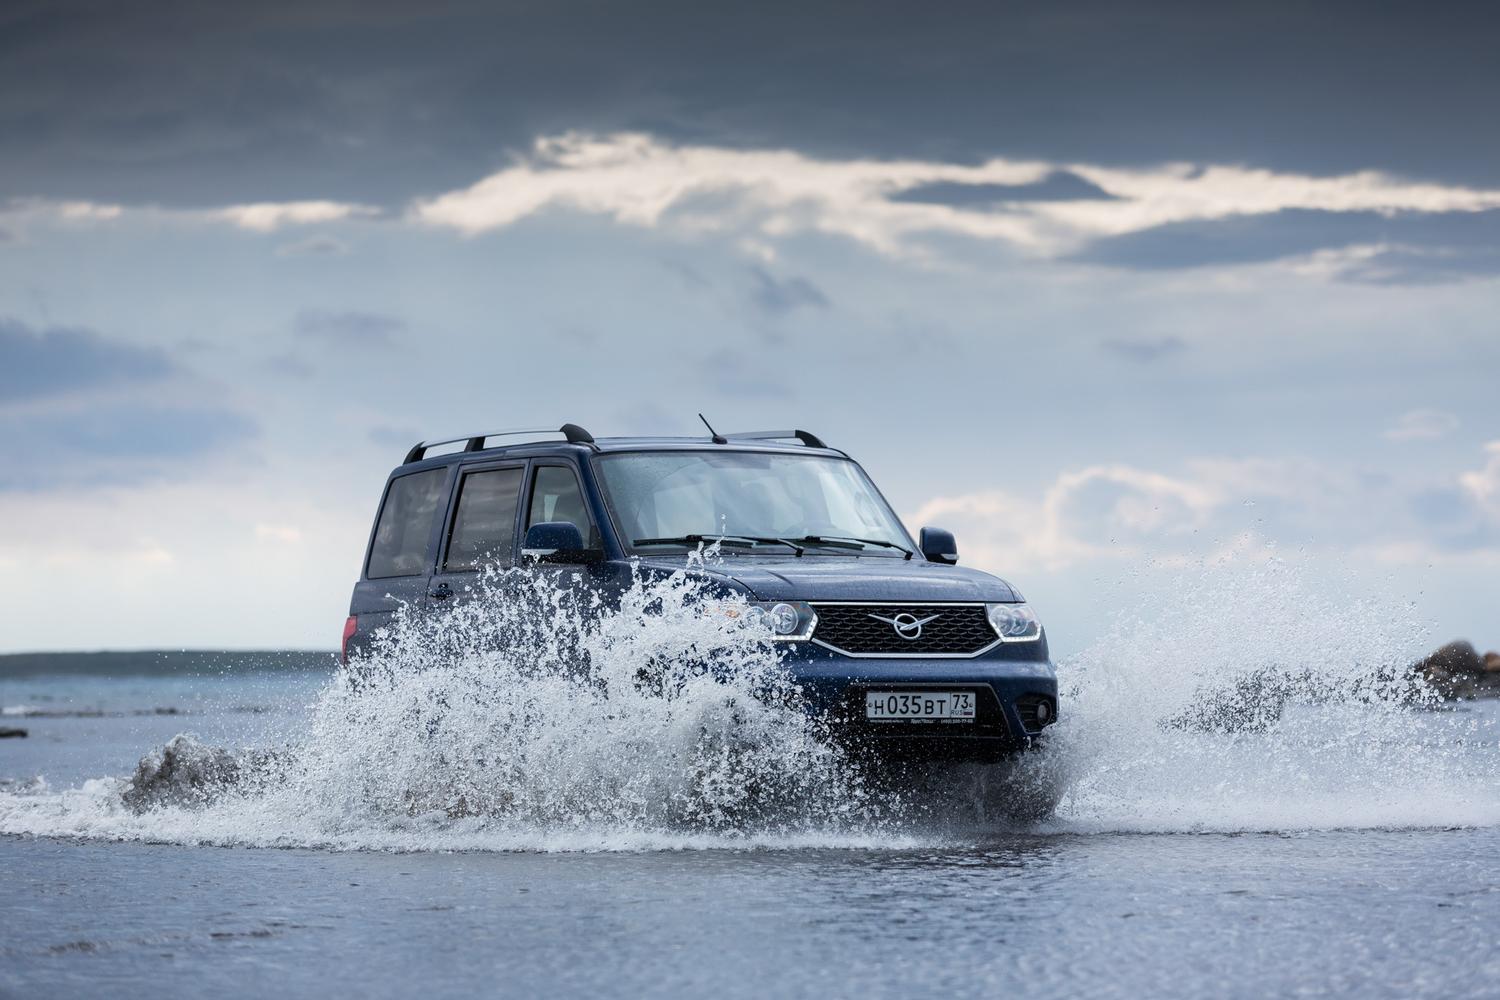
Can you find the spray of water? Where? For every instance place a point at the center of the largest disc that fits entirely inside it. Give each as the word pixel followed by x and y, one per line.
pixel 1242 698
pixel 527 716
pixel 531 717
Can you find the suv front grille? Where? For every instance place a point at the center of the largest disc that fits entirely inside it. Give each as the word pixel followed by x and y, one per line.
pixel 944 629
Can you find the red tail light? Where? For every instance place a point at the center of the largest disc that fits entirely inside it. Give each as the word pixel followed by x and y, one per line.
pixel 351 625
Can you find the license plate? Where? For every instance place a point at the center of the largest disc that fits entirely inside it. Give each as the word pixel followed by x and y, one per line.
pixel 903 706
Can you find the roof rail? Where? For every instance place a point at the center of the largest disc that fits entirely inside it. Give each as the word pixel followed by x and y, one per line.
pixel 475 442
pixel 806 437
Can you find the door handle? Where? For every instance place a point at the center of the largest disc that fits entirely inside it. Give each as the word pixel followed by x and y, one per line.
pixel 441 592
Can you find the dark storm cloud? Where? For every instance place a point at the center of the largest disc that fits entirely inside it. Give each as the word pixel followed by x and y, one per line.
pixel 1426 246
pixel 349 329
pixel 199 104
pixel 113 445
pixel 782 295
pixel 39 363
pixel 1144 351
pixel 1060 185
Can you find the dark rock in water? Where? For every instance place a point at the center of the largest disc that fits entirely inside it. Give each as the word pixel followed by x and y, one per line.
pixel 1456 658
pixel 184 772
pixel 13 734
pixel 1458 672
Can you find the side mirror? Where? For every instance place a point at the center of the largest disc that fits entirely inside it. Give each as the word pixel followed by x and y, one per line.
pixel 555 542
pixel 937 545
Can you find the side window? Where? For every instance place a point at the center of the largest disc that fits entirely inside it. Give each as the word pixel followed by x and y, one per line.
pixel 484 527
pixel 555 496
pixel 405 525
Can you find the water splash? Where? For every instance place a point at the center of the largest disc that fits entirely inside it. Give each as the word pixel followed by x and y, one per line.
pixel 1240 698
pixel 1243 698
pixel 526 716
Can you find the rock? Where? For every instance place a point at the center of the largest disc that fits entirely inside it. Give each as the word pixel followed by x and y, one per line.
pixel 184 772
pixel 12 734
pixel 1457 659
pixel 1459 673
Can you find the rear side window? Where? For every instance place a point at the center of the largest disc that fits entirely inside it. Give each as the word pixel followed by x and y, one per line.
pixel 484 527
pixel 555 496
pixel 400 547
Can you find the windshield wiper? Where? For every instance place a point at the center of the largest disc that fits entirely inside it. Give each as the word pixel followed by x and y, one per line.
pixel 732 541
pixel 850 542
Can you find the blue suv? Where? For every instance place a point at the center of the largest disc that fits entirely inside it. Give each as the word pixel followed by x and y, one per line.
pixel 889 639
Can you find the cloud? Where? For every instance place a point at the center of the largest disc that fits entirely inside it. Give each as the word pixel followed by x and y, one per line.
pixel 640 180
pixel 56 360
pixel 265 217
pixel 782 295
pixel 259 217
pixel 1059 185
pixel 1174 215
pixel 1483 485
pixel 1124 512
pixel 1101 510
pixel 92 96
pixel 349 328
pixel 1422 425
pixel 114 444
pixel 83 211
pixel 1144 351
pixel 314 246
pixel 1391 245
pixel 78 409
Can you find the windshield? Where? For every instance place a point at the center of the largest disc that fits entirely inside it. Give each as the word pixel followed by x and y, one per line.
pixel 761 500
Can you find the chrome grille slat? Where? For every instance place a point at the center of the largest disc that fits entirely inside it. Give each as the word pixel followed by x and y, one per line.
pixel 957 629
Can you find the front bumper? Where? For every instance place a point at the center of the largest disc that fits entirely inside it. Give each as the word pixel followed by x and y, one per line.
pixel 1007 692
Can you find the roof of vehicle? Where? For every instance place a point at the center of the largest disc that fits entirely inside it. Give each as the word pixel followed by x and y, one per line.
pixel 578 439
pixel 699 443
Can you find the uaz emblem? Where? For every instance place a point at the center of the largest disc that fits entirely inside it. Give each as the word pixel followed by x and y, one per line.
pixel 907 626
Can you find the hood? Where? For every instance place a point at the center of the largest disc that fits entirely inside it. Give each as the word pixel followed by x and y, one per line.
pixel 820 578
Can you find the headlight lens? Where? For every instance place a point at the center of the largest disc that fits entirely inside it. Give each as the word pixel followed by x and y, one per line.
pixel 783 619
pixel 1014 622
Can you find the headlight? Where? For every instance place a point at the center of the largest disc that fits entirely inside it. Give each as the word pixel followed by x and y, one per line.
pixel 1014 622
pixel 785 620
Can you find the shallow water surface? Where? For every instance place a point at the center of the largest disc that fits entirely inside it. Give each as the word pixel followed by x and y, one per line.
pixel 1383 914
pixel 1238 821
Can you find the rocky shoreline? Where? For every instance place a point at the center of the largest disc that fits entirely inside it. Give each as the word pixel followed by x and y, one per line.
pixel 1459 673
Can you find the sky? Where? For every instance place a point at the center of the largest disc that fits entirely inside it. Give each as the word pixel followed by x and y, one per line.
pixel 1110 291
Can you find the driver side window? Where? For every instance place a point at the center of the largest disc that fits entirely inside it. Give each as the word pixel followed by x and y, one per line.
pixel 556 496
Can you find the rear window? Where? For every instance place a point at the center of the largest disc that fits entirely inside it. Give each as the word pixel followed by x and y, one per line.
pixel 400 547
